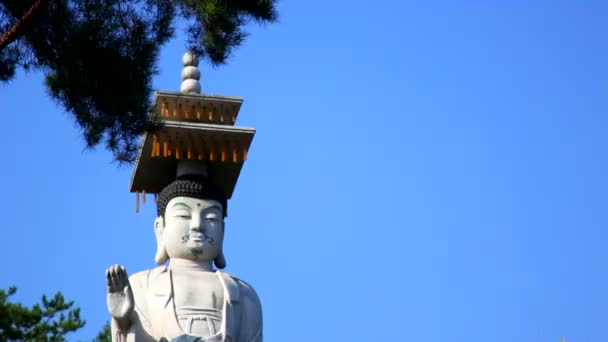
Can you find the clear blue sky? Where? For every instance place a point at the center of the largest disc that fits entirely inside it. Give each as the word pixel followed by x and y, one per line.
pixel 422 171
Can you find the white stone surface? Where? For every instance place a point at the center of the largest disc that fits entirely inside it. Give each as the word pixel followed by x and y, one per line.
pixel 190 86
pixel 190 58
pixel 191 72
pixel 188 296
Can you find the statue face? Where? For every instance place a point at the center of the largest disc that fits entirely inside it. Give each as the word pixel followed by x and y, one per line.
pixel 193 229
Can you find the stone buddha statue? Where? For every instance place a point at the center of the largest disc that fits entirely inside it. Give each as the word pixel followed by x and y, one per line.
pixel 186 298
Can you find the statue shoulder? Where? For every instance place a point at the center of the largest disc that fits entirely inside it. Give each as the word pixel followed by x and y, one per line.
pixel 143 284
pixel 251 311
pixel 141 279
pixel 247 294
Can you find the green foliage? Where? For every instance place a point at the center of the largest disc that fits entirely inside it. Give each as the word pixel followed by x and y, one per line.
pixel 50 321
pixel 216 25
pixel 99 56
pixel 105 335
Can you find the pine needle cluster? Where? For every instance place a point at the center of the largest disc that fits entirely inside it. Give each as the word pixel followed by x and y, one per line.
pixel 50 321
pixel 99 56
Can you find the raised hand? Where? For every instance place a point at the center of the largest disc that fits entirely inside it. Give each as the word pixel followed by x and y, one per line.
pixel 120 295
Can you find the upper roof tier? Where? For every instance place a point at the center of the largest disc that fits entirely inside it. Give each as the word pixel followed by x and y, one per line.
pixel 201 108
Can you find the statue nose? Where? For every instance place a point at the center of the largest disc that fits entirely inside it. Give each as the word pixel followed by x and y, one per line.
pixel 195 224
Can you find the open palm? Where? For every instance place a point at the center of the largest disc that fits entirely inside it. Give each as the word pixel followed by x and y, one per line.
pixel 120 295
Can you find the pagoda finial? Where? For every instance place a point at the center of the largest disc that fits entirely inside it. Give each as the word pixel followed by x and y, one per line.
pixel 190 74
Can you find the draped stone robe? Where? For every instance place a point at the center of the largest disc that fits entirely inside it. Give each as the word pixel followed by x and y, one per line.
pixel 154 317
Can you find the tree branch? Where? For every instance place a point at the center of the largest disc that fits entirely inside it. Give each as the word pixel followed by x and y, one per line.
pixel 19 28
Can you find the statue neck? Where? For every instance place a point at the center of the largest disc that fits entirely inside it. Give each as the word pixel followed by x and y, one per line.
pixel 189 265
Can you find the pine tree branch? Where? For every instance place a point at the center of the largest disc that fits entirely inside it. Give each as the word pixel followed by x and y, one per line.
pixel 20 27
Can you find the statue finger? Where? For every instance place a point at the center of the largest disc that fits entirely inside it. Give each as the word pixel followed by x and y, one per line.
pixel 124 276
pixel 120 277
pixel 109 280
pixel 114 278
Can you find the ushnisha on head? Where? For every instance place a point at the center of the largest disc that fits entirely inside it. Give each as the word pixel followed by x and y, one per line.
pixel 190 220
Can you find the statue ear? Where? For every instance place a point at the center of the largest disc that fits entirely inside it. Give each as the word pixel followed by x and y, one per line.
pixel 220 260
pixel 161 253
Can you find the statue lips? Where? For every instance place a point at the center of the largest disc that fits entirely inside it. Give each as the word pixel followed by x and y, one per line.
pixel 197 239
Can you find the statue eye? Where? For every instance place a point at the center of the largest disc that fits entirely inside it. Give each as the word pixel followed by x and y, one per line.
pixel 211 217
pixel 183 215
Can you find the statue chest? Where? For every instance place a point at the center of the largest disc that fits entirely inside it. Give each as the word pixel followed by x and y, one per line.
pixel 199 300
pixel 196 304
pixel 199 290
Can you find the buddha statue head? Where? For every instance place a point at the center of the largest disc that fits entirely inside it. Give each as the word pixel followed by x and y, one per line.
pixel 190 220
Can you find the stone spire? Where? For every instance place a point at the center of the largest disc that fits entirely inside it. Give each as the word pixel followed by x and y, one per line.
pixel 190 74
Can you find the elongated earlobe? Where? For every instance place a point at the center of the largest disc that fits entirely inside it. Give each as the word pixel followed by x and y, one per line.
pixel 161 253
pixel 220 261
